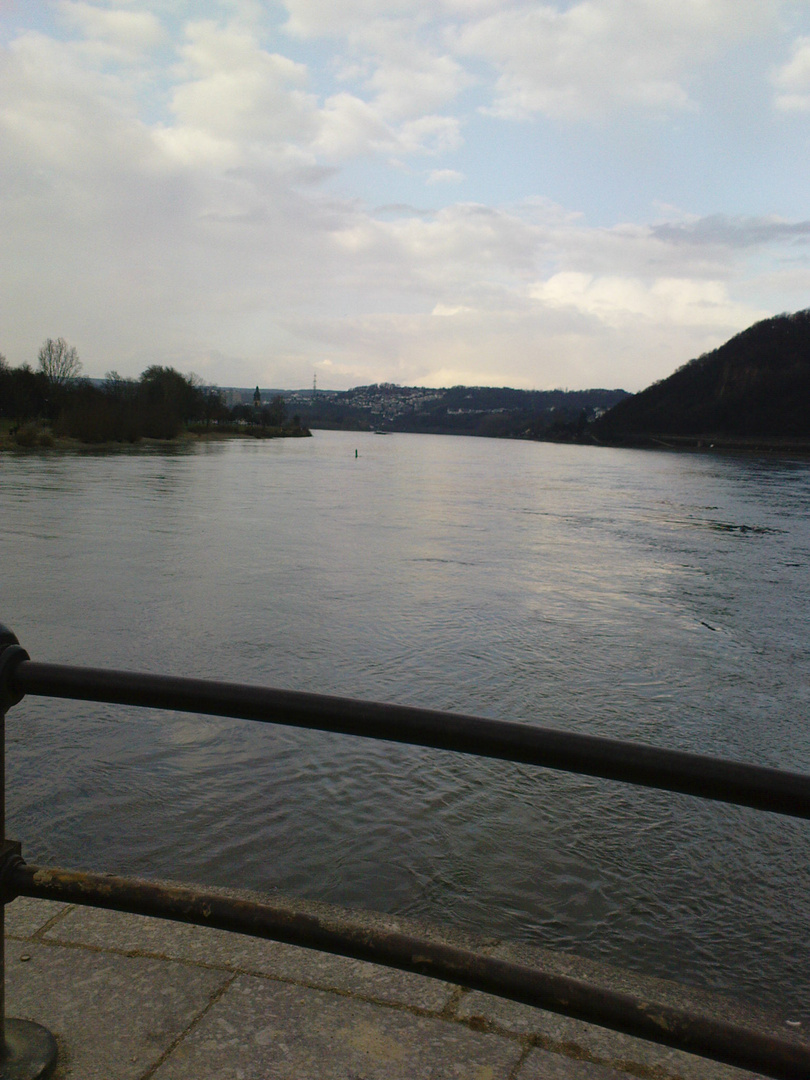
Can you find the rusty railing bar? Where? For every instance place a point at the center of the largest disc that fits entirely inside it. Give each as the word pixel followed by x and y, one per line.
pixel 756 786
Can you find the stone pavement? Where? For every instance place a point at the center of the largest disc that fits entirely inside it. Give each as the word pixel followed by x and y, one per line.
pixel 131 998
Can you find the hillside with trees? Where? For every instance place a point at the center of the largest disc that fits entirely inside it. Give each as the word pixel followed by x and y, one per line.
pixel 756 385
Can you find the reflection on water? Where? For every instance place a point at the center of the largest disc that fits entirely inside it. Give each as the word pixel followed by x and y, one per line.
pixel 650 596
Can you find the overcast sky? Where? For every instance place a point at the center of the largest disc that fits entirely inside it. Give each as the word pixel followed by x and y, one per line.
pixel 427 192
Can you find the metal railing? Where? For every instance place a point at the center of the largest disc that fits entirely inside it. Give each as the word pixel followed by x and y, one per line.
pixel 762 788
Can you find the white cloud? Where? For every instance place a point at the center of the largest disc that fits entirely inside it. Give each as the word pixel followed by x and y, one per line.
pixel 59 115
pixel 538 347
pixel 617 301
pixel 127 33
pixel 406 70
pixel 430 135
pixel 473 266
pixel 463 244
pixel 412 84
pixel 444 176
pixel 792 80
pixel 316 18
pixel 351 127
pixel 582 59
pixel 402 76
pixel 237 91
pixel 443 311
pixel 234 100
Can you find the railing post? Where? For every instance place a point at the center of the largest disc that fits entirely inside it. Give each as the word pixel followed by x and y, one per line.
pixel 2 895
pixel 27 1050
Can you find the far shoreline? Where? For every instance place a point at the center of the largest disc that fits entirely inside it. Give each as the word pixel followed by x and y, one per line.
pixel 43 439
pixel 771 444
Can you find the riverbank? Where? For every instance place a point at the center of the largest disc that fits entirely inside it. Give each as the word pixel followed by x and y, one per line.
pixel 36 436
pixel 134 998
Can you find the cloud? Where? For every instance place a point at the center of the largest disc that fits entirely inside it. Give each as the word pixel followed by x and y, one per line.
pixel 736 232
pixel 472 268
pixel 234 101
pixel 62 115
pixel 565 60
pixel 792 80
pixel 127 34
pixel 444 176
pixel 463 243
pixel 584 59
pixel 443 311
pixel 409 78
pixel 317 18
pixel 351 127
pixel 430 135
pixel 617 301
pixel 234 90
pixel 539 346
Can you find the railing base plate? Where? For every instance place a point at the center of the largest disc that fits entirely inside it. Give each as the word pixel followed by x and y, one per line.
pixel 30 1052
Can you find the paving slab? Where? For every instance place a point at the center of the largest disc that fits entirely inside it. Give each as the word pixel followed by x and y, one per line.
pixel 260 1029
pixel 587 1042
pixel 113 1017
pixel 542 1065
pixel 26 916
pixel 140 934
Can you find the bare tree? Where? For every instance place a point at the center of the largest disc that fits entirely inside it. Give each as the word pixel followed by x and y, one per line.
pixel 116 386
pixel 59 362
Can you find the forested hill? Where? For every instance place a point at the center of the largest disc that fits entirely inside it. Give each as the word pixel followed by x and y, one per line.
pixel 756 385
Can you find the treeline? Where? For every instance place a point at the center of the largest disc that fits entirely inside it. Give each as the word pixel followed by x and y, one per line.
pixel 158 405
pixel 55 401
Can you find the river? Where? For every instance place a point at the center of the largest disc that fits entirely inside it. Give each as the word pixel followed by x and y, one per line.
pixel 661 597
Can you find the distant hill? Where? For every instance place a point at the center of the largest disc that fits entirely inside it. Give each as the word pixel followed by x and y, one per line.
pixel 757 384
pixel 497 412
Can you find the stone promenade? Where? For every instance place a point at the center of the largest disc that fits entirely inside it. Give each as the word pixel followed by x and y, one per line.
pixel 131 998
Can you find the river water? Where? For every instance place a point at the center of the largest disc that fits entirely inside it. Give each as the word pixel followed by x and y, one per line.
pixel 659 597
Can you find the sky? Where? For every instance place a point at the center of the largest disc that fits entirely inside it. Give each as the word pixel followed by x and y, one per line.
pixel 425 192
